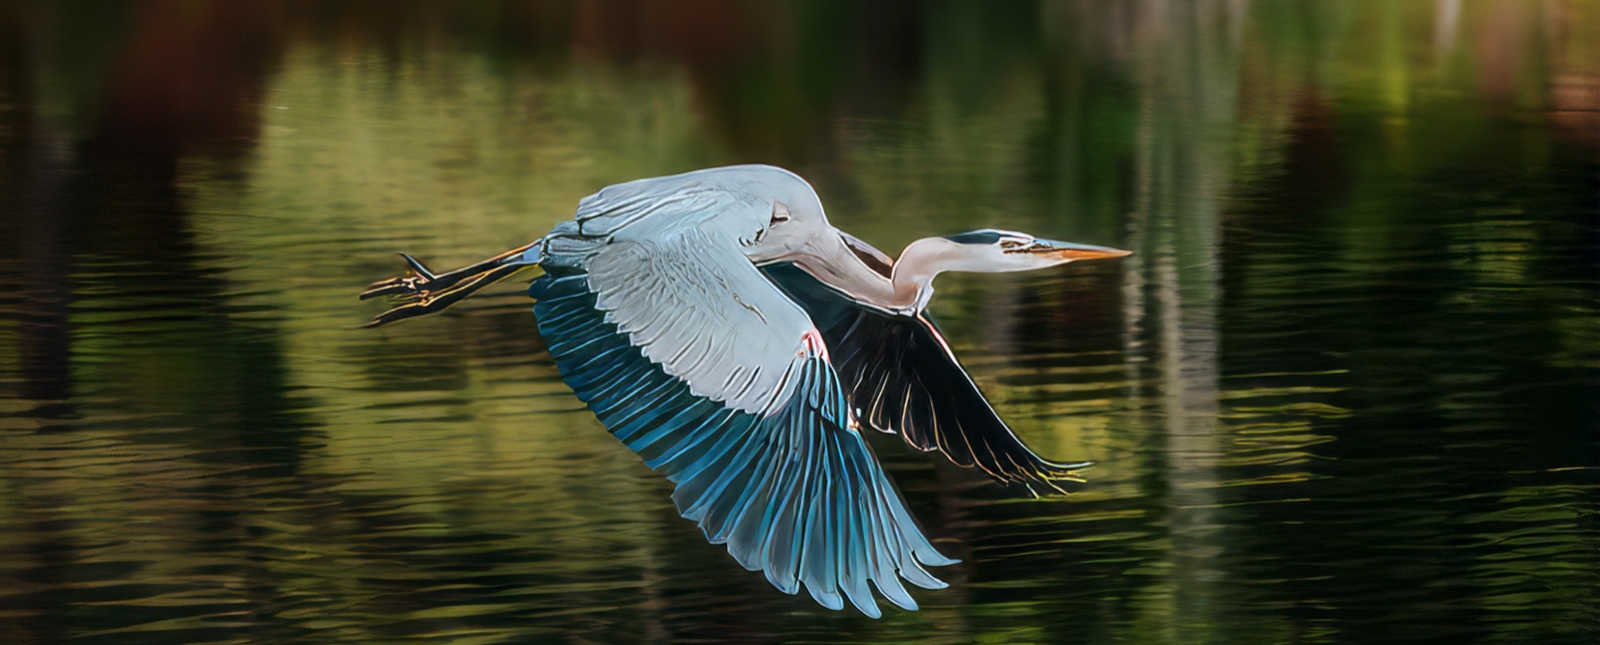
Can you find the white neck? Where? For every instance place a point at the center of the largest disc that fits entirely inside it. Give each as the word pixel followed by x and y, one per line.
pixel 906 292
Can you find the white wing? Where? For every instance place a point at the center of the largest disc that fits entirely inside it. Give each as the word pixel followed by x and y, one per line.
pixel 694 305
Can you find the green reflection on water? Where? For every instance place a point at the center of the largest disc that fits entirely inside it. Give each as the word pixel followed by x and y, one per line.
pixel 1343 393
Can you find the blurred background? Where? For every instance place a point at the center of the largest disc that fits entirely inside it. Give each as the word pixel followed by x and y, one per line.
pixel 1347 390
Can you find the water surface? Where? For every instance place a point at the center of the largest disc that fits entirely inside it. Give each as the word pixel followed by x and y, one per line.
pixel 1347 390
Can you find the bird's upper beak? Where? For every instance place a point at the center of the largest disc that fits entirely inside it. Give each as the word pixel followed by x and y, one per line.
pixel 1067 251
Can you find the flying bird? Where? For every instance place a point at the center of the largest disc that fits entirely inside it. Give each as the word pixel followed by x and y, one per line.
pixel 719 327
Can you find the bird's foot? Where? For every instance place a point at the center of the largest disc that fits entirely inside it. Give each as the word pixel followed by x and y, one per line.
pixel 420 291
pixel 415 284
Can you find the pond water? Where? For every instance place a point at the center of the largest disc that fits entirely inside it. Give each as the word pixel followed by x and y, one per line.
pixel 1347 389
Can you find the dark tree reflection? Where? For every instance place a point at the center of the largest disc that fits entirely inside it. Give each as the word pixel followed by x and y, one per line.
pixel 1345 391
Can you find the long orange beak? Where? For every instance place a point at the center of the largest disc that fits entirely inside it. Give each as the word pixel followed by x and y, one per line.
pixel 1067 251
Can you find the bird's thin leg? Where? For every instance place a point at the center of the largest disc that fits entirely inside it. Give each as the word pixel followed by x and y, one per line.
pixel 421 292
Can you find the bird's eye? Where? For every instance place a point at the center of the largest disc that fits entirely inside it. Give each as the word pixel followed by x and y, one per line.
pixel 1011 244
pixel 780 212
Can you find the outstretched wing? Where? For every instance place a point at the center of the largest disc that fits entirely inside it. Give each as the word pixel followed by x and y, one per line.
pixel 693 360
pixel 695 306
pixel 902 377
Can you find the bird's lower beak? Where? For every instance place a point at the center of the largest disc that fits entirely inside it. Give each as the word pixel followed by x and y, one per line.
pixel 1067 251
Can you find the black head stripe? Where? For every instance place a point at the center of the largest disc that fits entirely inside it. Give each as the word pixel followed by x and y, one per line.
pixel 985 237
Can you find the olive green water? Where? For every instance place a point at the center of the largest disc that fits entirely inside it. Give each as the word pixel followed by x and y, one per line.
pixel 1346 391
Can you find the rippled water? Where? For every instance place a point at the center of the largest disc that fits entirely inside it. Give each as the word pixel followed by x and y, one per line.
pixel 1347 390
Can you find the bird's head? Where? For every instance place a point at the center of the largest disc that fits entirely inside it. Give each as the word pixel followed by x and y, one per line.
pixel 996 251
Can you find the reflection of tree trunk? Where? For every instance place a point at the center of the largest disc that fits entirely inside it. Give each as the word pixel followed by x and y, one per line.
pixel 1446 22
pixel 1185 351
pixel 35 163
pixel 42 317
pixel 1189 371
pixel 1572 92
pixel 1174 224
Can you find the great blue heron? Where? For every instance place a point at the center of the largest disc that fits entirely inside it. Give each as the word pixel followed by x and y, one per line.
pixel 721 328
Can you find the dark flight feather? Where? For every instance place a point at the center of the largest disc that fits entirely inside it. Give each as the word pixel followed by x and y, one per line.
pixel 902 378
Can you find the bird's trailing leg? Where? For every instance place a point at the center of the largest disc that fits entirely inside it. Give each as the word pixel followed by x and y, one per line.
pixel 420 292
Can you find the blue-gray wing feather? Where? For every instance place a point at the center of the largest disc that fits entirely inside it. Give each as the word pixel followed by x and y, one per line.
pixel 794 492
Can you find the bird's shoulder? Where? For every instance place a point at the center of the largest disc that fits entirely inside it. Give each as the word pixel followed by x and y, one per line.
pixel 644 211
